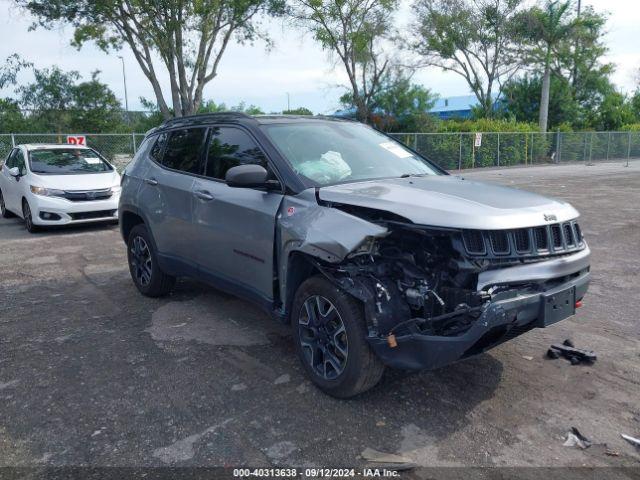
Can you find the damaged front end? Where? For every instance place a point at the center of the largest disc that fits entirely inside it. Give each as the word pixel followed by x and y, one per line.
pixel 429 302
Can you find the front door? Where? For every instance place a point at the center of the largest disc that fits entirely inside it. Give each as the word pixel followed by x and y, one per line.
pixel 236 226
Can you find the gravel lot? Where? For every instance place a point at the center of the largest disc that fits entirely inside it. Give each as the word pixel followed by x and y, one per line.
pixel 92 373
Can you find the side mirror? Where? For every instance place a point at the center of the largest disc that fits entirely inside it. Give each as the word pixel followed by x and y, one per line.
pixel 248 176
pixel 14 172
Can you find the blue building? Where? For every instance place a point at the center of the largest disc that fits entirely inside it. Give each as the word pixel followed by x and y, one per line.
pixel 454 107
pixel 444 108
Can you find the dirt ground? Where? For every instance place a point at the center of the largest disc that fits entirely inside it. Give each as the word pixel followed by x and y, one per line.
pixel 93 373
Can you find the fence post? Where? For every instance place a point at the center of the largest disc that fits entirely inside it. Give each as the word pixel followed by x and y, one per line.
pixel 133 140
pixel 415 142
pixel 558 147
pixel 460 153
pixel 590 146
pixel 498 148
pixel 629 148
pixel 608 144
pixel 13 140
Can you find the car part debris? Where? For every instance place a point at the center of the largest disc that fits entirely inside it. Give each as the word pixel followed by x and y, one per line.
pixel 631 440
pixel 571 353
pixel 387 460
pixel 576 439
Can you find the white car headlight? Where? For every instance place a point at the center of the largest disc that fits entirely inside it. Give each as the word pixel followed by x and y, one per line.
pixel 47 192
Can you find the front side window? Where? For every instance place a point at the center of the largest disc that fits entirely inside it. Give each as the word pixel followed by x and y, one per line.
pixel 11 159
pixel 183 150
pixel 329 152
pixel 230 147
pixel 66 161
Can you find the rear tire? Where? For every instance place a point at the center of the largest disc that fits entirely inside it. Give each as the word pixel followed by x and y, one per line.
pixel 146 274
pixel 329 333
pixel 3 209
pixel 28 218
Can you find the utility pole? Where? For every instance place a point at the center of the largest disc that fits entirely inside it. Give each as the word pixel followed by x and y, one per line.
pixel 574 80
pixel 124 79
pixel 288 102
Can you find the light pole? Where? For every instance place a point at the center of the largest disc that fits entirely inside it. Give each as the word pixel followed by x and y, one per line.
pixel 288 102
pixel 124 79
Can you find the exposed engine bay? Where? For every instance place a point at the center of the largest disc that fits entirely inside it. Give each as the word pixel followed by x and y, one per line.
pixel 419 279
pixel 414 278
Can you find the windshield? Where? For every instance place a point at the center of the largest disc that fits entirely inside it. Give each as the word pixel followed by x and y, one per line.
pixel 65 161
pixel 333 152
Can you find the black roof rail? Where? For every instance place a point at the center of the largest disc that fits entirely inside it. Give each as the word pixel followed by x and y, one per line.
pixel 204 117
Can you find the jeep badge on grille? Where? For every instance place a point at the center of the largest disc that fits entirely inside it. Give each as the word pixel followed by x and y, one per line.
pixel 550 217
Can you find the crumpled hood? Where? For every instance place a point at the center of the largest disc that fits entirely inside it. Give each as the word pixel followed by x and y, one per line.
pixel 85 181
pixel 453 202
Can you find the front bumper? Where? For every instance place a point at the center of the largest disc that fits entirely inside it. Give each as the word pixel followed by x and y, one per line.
pixel 508 315
pixel 73 212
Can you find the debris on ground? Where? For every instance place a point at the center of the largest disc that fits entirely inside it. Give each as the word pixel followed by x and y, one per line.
pixel 387 460
pixel 631 440
pixel 611 453
pixel 576 439
pixel 527 357
pixel 568 350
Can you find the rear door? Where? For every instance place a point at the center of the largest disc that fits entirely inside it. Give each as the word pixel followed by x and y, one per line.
pixel 166 193
pixel 236 226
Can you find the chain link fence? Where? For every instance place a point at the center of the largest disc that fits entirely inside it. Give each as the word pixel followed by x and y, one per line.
pixel 454 151
pixel 451 151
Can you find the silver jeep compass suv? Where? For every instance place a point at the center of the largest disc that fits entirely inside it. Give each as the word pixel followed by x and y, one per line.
pixel 373 254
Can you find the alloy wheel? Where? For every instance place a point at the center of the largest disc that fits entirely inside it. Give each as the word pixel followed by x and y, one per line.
pixel 323 337
pixel 141 260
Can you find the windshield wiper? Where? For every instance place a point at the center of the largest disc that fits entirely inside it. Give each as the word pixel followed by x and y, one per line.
pixel 407 175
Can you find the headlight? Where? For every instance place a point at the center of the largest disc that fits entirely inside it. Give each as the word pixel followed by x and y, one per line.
pixel 47 192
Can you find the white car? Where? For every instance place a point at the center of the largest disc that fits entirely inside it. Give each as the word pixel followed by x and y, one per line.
pixel 58 185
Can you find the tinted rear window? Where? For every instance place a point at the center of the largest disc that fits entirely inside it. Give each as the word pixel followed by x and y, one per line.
pixel 183 149
pixel 66 161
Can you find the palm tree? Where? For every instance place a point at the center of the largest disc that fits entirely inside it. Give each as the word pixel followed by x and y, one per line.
pixel 548 28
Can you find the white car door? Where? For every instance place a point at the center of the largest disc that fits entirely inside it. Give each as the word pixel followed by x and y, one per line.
pixel 10 185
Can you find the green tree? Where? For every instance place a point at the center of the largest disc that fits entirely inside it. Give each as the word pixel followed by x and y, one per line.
pixel 472 38
pixel 403 106
pixel 188 36
pixel 547 31
pixel 298 111
pixel 56 102
pixel 96 108
pixel 353 31
pixel 522 100
pixel 614 112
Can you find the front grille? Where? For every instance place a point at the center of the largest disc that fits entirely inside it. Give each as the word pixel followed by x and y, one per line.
pixel 473 241
pixel 499 242
pixel 542 239
pixel 556 236
pixel 90 215
pixel 522 240
pixel 87 195
pixel 578 233
pixel 533 242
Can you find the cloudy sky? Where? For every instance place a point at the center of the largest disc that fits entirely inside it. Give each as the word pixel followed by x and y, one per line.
pixel 295 65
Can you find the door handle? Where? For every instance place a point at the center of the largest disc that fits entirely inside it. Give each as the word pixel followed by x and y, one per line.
pixel 151 181
pixel 203 195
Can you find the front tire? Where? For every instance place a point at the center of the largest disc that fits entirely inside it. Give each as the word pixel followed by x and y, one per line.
pixel 329 332
pixel 146 274
pixel 28 218
pixel 3 209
